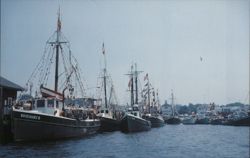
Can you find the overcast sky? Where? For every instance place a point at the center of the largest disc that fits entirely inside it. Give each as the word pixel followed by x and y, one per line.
pixel 165 38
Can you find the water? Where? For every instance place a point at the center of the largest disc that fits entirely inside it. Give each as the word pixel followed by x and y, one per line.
pixel 173 141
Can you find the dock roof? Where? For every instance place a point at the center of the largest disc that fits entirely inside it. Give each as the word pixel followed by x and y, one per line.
pixel 10 85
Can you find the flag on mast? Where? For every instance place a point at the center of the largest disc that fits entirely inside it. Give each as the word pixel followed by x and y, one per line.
pixel 59 24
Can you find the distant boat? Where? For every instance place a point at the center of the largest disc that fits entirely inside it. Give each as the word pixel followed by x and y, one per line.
pixel 156 120
pixel 202 118
pixel 216 121
pixel 238 119
pixel 108 122
pixel 132 121
pixel 173 119
pixel 107 114
pixel 151 112
pixel 187 120
pixel 239 122
pixel 47 116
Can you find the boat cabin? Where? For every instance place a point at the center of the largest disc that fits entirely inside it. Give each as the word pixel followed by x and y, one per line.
pixel 43 105
pixel 134 110
pixel 104 112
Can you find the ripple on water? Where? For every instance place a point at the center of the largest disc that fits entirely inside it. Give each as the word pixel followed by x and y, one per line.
pixel 175 141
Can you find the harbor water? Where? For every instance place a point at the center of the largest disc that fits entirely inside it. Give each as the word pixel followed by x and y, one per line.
pixel 173 141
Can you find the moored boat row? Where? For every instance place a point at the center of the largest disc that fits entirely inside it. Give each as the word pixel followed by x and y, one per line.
pixel 60 112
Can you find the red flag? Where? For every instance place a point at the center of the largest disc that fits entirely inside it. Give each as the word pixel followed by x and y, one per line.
pixel 59 25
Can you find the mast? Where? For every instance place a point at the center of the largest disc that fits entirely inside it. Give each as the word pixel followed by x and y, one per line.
pixel 136 85
pixel 136 73
pixel 149 110
pixel 104 76
pixel 172 103
pixel 158 101
pixel 57 50
pixel 132 86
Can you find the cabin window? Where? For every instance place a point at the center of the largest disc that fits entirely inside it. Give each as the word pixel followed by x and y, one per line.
pixel 40 103
pixel 50 103
pixel 102 111
pixel 107 111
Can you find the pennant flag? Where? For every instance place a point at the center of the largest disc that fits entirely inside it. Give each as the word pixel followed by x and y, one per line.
pixel 59 24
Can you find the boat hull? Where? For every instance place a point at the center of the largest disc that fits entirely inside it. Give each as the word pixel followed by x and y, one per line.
pixel 239 122
pixel 109 124
pixel 130 123
pixel 32 127
pixel 156 121
pixel 173 120
pixel 202 121
pixel 216 121
pixel 188 121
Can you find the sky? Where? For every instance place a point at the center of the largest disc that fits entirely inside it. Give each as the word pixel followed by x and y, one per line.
pixel 167 40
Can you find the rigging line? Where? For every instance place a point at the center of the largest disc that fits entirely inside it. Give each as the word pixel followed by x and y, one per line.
pixel 115 96
pixel 67 79
pixel 78 68
pixel 53 35
pixel 34 73
pixel 64 63
pixel 79 80
pixel 64 38
pixel 99 84
pixel 62 85
pixel 48 68
pixel 42 67
pixel 45 67
pixel 78 72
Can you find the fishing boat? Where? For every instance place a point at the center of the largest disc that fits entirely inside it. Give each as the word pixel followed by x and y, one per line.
pixel 238 119
pixel 151 112
pixel 174 118
pixel 53 114
pixel 132 120
pixel 202 118
pixel 109 117
pixel 216 121
pixel 189 119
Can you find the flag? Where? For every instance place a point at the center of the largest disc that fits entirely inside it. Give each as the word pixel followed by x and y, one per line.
pixel 146 77
pixel 59 24
pixel 103 49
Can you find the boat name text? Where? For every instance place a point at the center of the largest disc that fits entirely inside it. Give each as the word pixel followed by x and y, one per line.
pixel 34 117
